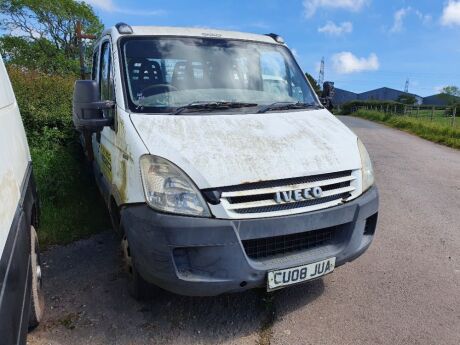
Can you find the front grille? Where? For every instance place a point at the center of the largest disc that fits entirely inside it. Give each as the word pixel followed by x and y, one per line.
pixel 292 205
pixel 261 248
pixel 258 199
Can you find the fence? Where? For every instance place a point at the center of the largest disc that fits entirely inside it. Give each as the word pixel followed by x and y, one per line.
pixel 445 115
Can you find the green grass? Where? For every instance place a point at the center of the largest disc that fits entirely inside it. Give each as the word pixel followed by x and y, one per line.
pixel 439 130
pixel 71 206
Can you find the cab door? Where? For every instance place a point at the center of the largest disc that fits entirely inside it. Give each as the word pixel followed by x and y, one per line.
pixel 109 143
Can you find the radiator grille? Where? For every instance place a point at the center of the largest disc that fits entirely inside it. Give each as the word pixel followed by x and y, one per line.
pixel 258 199
pixel 266 247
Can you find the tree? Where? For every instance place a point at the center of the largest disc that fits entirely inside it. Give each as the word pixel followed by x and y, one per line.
pixel 44 31
pixel 450 94
pixel 313 83
pixel 39 56
pixel 406 98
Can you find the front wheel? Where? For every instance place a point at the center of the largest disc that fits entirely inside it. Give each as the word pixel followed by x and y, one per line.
pixel 37 298
pixel 138 288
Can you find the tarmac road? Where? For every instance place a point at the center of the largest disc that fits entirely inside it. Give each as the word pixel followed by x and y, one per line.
pixel 404 290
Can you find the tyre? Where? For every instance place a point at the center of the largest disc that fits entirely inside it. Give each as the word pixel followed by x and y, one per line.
pixel 138 288
pixel 37 298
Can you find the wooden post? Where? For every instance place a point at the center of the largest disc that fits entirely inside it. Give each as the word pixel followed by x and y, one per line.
pixel 418 111
pixel 80 36
pixel 395 109
pixel 432 113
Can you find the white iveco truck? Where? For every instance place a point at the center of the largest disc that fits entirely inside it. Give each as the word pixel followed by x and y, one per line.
pixel 220 166
pixel 21 297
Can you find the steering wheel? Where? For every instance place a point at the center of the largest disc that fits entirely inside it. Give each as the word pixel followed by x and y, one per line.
pixel 157 86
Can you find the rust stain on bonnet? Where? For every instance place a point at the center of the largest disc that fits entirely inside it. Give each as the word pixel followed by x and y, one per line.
pixel 246 148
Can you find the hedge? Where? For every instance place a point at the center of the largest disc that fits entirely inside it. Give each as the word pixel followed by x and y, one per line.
pixel 71 205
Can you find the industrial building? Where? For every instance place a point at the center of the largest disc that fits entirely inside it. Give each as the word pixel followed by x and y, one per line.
pixel 342 96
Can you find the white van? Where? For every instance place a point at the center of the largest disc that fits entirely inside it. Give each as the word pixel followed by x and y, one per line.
pixel 221 168
pixel 21 297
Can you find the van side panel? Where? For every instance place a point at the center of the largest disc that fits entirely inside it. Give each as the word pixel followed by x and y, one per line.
pixel 14 155
pixel 16 278
pixel 18 209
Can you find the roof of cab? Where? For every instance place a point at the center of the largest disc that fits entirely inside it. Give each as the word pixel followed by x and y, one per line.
pixel 189 32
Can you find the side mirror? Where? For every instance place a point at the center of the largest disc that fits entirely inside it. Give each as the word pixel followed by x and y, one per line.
pixel 328 94
pixel 88 108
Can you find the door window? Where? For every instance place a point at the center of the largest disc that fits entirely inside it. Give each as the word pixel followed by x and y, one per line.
pixel 106 85
pixel 95 65
pixel 105 76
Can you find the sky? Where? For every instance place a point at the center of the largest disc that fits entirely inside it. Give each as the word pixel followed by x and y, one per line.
pixel 366 44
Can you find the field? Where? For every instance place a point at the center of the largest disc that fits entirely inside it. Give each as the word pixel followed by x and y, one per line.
pixel 434 126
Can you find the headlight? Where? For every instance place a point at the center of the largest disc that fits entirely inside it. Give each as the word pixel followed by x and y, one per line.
pixel 366 167
pixel 169 189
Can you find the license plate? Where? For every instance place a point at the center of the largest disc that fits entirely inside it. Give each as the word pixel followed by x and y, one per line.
pixel 295 275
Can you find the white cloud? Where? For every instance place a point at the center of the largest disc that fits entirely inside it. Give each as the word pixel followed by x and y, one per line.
pixel 311 6
pixel 106 5
pixel 398 23
pixel 399 19
pixel 451 14
pixel 346 63
pixel 336 30
pixel 110 6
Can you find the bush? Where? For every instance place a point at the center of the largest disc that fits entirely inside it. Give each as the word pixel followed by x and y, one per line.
pixel 349 107
pixel 71 205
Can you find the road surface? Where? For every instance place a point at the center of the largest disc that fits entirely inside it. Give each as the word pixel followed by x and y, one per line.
pixel 404 290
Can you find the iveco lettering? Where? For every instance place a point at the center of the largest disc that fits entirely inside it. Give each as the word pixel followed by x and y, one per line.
pixel 221 168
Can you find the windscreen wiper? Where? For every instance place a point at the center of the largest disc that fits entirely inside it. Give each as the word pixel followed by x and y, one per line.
pixel 288 105
pixel 203 105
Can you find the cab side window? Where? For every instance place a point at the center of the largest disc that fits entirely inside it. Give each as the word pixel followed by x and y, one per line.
pixel 105 74
pixel 106 85
pixel 95 65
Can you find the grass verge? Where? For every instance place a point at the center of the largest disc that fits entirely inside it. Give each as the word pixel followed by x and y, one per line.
pixel 71 206
pixel 435 131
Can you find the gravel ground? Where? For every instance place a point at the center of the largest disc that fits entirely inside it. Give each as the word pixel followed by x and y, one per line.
pixel 404 290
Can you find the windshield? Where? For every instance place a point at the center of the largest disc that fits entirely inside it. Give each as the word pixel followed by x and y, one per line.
pixel 164 73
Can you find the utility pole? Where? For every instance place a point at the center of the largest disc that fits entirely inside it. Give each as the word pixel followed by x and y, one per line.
pixel 80 37
pixel 406 87
pixel 321 74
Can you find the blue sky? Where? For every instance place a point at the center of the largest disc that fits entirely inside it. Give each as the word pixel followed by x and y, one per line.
pixel 366 43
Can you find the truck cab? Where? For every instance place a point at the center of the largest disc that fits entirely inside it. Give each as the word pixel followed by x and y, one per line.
pixel 21 296
pixel 221 168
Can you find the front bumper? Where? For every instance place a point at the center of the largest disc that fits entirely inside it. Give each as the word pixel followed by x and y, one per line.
pixel 206 257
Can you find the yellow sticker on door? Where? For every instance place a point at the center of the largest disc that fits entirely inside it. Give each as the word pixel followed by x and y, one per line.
pixel 106 160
